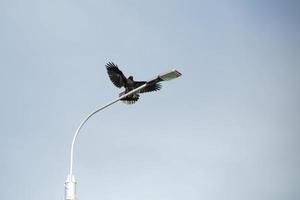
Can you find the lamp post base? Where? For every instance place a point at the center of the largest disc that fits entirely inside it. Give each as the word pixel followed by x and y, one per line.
pixel 70 188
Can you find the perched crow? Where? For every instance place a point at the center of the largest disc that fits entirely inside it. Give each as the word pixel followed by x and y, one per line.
pixel 117 77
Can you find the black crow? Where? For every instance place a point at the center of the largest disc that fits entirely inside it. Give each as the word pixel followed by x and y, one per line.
pixel 119 80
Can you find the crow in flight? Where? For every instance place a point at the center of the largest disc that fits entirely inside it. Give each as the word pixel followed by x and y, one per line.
pixel 119 80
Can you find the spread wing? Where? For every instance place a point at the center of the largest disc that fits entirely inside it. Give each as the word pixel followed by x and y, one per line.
pixel 149 88
pixel 116 76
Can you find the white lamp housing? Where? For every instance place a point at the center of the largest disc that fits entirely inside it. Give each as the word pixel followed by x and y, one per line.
pixel 169 75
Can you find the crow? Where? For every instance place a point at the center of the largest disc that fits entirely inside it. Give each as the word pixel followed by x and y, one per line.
pixel 119 80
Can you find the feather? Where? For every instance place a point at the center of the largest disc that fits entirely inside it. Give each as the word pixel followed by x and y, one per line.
pixel 149 88
pixel 116 76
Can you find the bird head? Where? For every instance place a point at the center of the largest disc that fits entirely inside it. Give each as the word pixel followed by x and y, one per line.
pixel 130 78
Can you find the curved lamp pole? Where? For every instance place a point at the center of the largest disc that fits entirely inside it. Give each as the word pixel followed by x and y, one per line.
pixel 70 184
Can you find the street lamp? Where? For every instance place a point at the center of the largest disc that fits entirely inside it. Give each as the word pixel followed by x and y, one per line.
pixel 70 184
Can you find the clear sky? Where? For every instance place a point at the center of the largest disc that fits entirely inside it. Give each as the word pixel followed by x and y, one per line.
pixel 227 129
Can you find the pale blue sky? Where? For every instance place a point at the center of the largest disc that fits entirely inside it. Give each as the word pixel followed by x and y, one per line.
pixel 227 129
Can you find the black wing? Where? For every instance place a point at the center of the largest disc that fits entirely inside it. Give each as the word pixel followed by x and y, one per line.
pixel 149 88
pixel 116 76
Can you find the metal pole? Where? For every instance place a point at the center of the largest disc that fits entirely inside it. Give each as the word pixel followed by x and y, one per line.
pixel 70 184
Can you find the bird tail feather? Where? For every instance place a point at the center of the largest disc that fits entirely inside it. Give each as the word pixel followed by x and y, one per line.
pixel 131 99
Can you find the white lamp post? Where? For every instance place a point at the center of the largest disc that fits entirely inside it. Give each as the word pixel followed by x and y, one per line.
pixel 70 184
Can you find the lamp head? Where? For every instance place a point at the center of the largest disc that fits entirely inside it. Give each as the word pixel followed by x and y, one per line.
pixel 169 75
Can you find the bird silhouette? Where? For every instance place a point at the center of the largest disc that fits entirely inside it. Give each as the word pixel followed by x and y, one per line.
pixel 119 80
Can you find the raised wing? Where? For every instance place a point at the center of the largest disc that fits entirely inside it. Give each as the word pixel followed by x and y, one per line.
pixel 149 88
pixel 116 76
